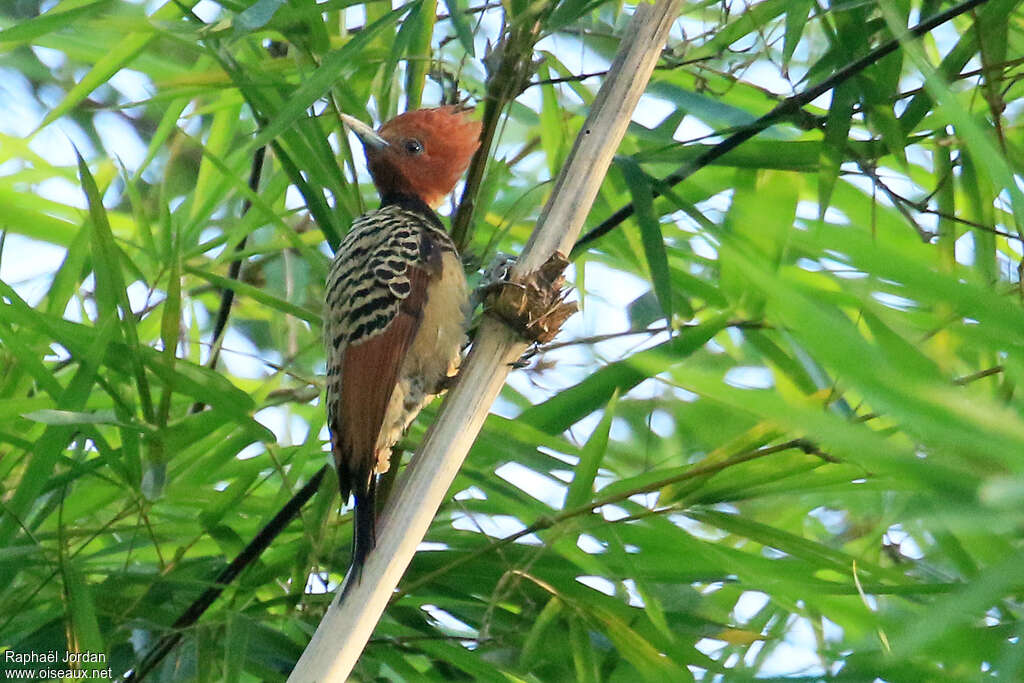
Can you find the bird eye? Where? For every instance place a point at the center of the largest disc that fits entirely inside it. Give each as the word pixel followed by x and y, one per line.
pixel 413 146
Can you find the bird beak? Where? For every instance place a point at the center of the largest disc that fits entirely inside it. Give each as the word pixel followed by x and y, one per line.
pixel 366 135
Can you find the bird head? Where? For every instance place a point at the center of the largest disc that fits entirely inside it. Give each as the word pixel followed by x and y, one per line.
pixel 420 153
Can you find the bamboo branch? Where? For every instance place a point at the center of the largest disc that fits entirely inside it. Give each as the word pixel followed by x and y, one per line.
pixel 348 624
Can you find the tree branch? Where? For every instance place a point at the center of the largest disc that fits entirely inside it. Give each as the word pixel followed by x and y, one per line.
pixel 345 629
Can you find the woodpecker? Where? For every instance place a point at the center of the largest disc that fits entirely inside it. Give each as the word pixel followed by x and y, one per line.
pixel 394 322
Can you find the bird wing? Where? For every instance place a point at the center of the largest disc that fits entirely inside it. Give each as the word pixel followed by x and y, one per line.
pixel 369 373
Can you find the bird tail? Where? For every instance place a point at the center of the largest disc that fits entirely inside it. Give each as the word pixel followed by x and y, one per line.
pixel 364 532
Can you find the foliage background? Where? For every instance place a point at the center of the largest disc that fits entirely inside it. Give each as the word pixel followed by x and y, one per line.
pixel 810 447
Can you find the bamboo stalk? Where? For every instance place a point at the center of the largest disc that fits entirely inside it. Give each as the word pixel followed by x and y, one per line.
pixel 348 624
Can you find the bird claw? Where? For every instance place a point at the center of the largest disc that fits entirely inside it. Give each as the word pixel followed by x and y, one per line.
pixel 495 275
pixel 446 383
pixel 499 270
pixel 534 305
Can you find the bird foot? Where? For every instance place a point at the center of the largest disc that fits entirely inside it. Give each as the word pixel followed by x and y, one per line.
pixel 534 305
pixel 446 383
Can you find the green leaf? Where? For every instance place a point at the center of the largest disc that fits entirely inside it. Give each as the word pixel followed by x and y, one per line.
pixel 751 21
pixel 52 21
pixel 650 232
pixel 115 57
pixel 583 655
pixel 552 124
pixel 833 148
pixel 70 417
pixel 761 215
pixel 223 133
pixel 86 636
pixel 539 630
pixel 649 662
pixel 48 447
pixel 573 404
pixel 975 136
pixel 582 487
pixel 239 631
pixel 110 287
pixel 796 19
pixel 314 86
pixel 457 10
pixel 417 63
pixel 257 15
pixel 257 294
pixel 203 385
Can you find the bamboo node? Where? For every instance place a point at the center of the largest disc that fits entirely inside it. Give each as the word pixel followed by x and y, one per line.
pixel 533 305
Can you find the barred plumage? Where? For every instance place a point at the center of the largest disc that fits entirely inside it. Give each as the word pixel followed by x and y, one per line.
pixel 368 278
pixel 394 320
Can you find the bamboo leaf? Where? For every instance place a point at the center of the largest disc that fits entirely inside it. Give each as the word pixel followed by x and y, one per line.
pixel 575 403
pixel 110 286
pixel 650 232
pixel 51 22
pixel 85 635
pixel 320 81
pixel 417 63
pixel 457 10
pixel 796 19
pixel 582 487
pixel 257 15
pixel 258 295
pixel 114 58
pixel 833 149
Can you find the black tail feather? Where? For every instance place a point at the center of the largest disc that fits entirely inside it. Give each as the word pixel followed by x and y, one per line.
pixel 364 533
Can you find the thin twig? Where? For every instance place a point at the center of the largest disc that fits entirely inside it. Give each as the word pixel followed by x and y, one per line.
pixel 507 81
pixel 789 107
pixel 921 206
pixel 246 557
pixel 227 296
pixel 980 374
pixel 598 338
pixel 576 78
pixel 547 522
